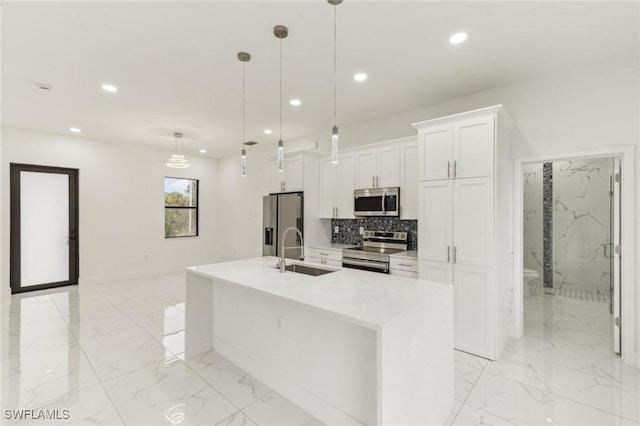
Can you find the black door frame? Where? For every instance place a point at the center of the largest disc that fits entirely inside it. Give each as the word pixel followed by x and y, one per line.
pixel 15 249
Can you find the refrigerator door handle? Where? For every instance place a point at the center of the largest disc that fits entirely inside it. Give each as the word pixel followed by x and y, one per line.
pixel 268 236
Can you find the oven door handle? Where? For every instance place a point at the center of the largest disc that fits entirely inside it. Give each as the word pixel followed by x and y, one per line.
pixel 368 264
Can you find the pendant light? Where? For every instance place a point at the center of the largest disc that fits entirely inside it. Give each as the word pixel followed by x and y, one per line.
pixel 178 160
pixel 243 57
pixel 334 130
pixel 281 32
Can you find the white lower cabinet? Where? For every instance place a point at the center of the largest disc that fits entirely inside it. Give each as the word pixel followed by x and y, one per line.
pixel 324 256
pixel 473 310
pixel 404 267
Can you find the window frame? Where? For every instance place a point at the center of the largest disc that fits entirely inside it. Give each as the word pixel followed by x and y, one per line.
pixel 196 207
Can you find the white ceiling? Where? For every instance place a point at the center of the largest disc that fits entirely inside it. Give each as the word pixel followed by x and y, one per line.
pixel 176 68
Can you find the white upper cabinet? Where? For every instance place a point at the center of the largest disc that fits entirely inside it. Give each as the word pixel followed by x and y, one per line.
pixel 290 179
pixel 328 188
pixel 473 149
pixel 409 180
pixel 379 167
pixel 366 169
pixel 388 165
pixel 461 149
pixel 346 185
pixel 436 152
pixel 337 182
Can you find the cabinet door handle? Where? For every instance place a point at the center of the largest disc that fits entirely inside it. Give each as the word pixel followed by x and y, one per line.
pixel 448 169
pixel 455 254
pixel 405 264
pixel 323 254
pixel 336 212
pixel 448 254
pixel 377 182
pixel 455 168
pixel 373 181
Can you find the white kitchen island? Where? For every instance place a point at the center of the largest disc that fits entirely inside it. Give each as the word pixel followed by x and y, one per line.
pixel 350 347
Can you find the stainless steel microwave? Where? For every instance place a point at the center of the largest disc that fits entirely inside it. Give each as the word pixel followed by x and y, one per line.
pixel 376 202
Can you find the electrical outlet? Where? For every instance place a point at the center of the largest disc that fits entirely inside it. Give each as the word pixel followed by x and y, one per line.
pixel 361 230
pixel 336 229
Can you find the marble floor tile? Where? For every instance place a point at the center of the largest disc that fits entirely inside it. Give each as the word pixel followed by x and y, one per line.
pixel 168 393
pixel 457 405
pixel 521 404
pixel 163 327
pixel 40 377
pixel 87 406
pixel 464 379
pixel 470 360
pixel 237 419
pixel 35 337
pixel 471 416
pixel 275 410
pixel 602 393
pixel 240 387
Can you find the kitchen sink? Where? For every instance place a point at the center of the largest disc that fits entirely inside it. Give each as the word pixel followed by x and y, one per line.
pixel 307 270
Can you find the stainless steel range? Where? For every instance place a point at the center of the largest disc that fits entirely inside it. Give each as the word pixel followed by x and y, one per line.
pixel 375 251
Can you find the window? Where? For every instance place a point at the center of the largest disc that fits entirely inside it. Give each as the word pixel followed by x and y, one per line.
pixel 180 207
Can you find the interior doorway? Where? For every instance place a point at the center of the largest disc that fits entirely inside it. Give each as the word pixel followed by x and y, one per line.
pixel 623 304
pixel 571 248
pixel 44 227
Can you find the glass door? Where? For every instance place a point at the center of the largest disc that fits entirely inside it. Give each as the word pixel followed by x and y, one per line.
pixel 44 227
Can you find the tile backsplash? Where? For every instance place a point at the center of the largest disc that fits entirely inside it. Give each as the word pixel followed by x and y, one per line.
pixel 350 229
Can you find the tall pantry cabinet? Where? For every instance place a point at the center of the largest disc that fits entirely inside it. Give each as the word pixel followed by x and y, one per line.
pixel 465 232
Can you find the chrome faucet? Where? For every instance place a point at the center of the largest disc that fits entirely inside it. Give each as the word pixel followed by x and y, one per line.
pixel 281 263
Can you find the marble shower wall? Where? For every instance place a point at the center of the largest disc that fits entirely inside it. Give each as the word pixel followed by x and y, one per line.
pixel 532 219
pixel 581 225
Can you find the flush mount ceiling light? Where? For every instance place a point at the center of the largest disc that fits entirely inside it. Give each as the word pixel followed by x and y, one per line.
pixel 109 88
pixel 295 102
pixel 75 129
pixel 203 151
pixel 360 76
pixel 178 160
pixel 281 32
pixel 243 57
pixel 334 130
pixel 267 131
pixel 458 38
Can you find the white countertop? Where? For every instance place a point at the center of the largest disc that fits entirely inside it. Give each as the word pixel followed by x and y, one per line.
pixel 331 246
pixel 409 254
pixel 361 297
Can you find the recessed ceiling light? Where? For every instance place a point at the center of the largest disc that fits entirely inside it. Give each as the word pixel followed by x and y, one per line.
pixel 360 76
pixel 75 130
pixel 457 38
pixel 267 131
pixel 44 86
pixel 203 151
pixel 109 88
pixel 295 102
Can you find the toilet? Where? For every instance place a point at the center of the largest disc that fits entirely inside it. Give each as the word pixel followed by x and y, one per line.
pixel 528 276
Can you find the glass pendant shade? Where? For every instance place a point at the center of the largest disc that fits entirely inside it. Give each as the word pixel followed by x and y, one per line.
pixel 178 161
pixel 243 163
pixel 334 145
pixel 280 156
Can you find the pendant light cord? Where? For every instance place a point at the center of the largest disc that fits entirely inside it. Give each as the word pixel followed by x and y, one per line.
pixel 335 63
pixel 280 89
pixel 243 102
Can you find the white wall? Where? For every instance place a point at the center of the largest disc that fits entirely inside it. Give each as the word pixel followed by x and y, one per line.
pixel 532 230
pixel 121 204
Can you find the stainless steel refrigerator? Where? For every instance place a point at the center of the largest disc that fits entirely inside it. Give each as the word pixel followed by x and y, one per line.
pixel 279 212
